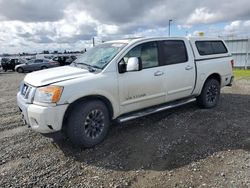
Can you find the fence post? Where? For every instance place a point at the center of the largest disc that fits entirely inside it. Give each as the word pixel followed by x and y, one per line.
pixel 247 53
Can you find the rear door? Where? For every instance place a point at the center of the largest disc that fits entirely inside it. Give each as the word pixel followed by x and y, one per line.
pixel 45 64
pixel 178 61
pixel 38 64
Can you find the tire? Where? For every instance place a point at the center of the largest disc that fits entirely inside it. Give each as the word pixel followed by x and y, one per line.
pixel 20 70
pixel 44 67
pixel 5 70
pixel 88 123
pixel 210 94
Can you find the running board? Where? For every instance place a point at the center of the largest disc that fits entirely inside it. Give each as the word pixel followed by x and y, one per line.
pixel 153 110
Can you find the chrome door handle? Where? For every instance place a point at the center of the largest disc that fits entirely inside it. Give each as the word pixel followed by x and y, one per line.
pixel 189 67
pixel 158 73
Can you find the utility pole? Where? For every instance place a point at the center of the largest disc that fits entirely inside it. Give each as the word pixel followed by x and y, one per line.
pixel 169 21
pixel 93 41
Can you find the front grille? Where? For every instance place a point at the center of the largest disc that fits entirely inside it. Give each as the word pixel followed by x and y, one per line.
pixel 28 92
pixel 25 90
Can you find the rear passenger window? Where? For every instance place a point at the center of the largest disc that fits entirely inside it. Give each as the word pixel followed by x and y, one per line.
pixel 38 61
pixel 173 51
pixel 210 47
pixel 219 47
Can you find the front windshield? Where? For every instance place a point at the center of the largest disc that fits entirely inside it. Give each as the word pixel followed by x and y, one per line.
pixel 99 56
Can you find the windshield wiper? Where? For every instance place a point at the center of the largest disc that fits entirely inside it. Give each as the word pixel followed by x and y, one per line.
pixel 82 64
pixel 96 67
pixel 91 68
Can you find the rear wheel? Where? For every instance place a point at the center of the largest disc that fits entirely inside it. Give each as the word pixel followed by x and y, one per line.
pixel 88 123
pixel 210 94
pixel 44 67
pixel 20 70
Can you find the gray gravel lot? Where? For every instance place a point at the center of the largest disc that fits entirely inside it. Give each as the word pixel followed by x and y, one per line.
pixel 183 147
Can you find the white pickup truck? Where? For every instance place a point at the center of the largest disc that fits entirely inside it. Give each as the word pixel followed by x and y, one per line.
pixel 123 80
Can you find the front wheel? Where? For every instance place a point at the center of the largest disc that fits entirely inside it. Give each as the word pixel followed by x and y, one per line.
pixel 20 70
pixel 88 123
pixel 210 94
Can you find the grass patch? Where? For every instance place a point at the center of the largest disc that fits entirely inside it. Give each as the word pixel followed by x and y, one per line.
pixel 241 73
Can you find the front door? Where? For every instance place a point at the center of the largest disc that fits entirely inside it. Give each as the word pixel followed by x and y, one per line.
pixel 143 88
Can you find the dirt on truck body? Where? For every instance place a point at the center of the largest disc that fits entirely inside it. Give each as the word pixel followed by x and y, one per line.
pixel 182 147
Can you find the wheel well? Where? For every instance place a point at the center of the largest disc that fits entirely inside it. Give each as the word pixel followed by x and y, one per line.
pixel 20 68
pixel 215 76
pixel 88 98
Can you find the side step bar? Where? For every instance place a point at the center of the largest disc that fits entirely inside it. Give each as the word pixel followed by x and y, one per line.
pixel 153 110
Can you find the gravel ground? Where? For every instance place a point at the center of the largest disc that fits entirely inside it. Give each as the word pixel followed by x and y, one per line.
pixel 183 147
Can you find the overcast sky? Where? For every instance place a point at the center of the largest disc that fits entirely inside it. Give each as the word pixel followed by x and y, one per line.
pixel 35 25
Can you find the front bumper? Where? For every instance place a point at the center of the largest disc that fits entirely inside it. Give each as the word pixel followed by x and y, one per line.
pixel 43 119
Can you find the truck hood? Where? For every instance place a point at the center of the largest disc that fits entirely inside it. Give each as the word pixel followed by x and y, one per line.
pixel 53 75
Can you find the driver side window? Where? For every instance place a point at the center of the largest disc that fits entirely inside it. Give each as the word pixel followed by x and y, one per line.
pixel 148 52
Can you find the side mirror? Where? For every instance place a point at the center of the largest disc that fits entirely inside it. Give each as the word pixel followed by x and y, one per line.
pixel 134 64
pixel 122 67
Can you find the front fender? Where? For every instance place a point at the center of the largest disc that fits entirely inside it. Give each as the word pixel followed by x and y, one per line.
pixel 113 101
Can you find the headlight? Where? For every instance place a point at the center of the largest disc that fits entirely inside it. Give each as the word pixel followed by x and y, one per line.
pixel 48 94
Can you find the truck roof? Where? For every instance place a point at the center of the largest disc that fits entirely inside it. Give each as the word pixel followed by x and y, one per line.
pixel 198 53
pixel 137 39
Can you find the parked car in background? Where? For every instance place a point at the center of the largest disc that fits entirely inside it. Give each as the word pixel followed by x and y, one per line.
pixel 36 64
pixel 65 60
pixel 44 56
pixel 70 59
pixel 9 64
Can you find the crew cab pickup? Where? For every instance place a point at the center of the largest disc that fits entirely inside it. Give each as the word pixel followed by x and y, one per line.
pixel 123 80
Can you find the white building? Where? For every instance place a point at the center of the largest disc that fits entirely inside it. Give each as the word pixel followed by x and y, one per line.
pixel 240 49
